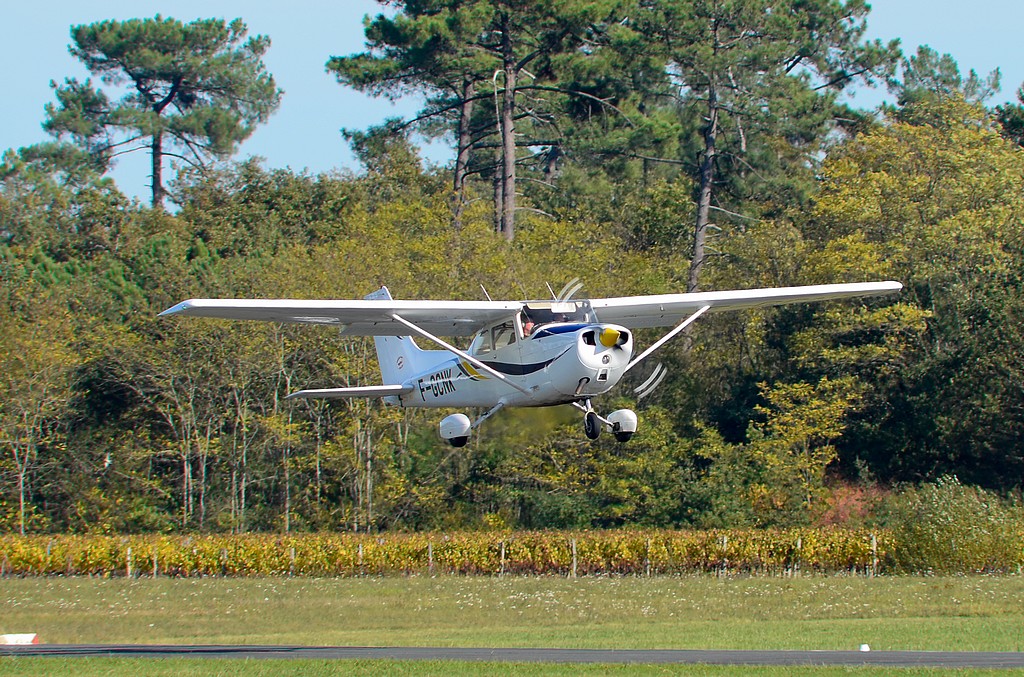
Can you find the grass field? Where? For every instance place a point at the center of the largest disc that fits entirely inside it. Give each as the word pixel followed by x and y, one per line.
pixel 957 613
pixel 273 668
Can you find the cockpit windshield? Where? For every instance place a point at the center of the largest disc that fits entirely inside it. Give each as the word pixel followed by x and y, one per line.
pixel 546 312
pixel 536 316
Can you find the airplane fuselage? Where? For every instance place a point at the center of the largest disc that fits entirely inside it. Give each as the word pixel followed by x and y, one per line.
pixel 557 364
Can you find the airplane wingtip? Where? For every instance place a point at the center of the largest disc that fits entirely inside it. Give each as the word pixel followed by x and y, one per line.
pixel 176 309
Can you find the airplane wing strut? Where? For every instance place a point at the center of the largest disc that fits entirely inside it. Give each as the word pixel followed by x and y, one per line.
pixel 668 337
pixel 461 353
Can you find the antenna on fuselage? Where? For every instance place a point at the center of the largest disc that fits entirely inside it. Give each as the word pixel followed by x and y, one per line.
pixel 484 290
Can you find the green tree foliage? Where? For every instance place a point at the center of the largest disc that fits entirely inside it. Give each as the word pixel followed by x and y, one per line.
pixel 428 48
pixel 190 91
pixel 488 68
pixel 941 204
pixel 926 75
pixel 1011 118
pixel 39 372
pixel 748 88
pixel 947 527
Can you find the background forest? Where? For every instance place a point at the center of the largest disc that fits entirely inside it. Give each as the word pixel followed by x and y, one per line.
pixel 640 146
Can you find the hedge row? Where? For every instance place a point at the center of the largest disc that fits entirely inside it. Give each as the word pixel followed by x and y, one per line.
pixel 525 553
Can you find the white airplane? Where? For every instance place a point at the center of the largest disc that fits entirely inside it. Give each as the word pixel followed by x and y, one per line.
pixel 523 353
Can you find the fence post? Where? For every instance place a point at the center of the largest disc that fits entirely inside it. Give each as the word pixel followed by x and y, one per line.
pixel 430 557
pixel 874 555
pixel 128 568
pixel 799 554
pixel 725 554
pixel 574 561
pixel 156 570
pixel 501 564
pixel 291 558
pixel 647 559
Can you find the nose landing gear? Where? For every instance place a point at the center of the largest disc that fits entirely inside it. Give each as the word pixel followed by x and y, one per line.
pixel 591 425
pixel 622 422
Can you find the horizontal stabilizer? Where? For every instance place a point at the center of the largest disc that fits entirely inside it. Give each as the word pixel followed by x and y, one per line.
pixel 361 391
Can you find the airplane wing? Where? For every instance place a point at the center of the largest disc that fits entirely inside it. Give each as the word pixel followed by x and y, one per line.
pixel 359 317
pixel 665 310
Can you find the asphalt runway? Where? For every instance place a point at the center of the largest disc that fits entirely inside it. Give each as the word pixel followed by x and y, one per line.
pixel 896 659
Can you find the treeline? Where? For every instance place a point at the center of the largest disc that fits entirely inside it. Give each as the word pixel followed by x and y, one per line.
pixel 112 420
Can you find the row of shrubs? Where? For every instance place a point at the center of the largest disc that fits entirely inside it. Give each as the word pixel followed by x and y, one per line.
pixel 776 551
pixel 915 547
pixel 944 527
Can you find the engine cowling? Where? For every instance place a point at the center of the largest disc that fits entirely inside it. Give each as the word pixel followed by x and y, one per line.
pixel 455 429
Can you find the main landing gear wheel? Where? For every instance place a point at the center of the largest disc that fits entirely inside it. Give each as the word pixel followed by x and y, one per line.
pixel 621 436
pixel 591 425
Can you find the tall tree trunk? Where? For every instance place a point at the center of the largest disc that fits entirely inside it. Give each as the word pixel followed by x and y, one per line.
pixel 204 459
pixel 186 485
pixel 21 501
pixel 508 137
pixel 358 483
pixel 319 475
pixel 234 500
pixel 240 457
pixel 462 157
pixel 707 177
pixel 242 489
pixel 369 481
pixel 286 453
pixel 158 171
pixel 22 472
pixel 499 195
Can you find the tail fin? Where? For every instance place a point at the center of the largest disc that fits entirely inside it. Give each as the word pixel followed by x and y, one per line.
pixel 398 356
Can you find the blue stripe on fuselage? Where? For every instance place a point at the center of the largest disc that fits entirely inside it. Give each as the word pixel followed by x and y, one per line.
pixel 517 369
pixel 554 329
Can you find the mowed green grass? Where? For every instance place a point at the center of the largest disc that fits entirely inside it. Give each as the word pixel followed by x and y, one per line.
pixel 901 613
pixel 185 667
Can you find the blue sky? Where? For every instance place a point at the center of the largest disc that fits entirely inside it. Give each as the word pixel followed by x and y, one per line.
pixel 304 134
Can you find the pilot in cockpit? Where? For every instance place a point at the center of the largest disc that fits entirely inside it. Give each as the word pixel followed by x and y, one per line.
pixel 528 325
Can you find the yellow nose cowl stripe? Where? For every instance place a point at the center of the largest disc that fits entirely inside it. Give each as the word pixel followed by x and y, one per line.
pixel 609 337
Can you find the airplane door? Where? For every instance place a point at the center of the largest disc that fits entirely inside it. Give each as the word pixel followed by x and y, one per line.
pixel 505 342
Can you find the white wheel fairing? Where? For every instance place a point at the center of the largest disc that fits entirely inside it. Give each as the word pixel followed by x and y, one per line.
pixel 455 426
pixel 623 420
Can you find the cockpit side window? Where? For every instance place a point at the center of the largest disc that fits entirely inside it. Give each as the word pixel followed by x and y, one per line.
pixel 494 338
pixel 504 335
pixel 481 343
